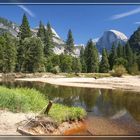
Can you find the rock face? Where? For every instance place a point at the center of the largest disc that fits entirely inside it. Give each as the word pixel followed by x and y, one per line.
pixel 110 37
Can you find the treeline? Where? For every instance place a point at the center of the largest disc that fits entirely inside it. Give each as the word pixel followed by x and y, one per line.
pixel 29 53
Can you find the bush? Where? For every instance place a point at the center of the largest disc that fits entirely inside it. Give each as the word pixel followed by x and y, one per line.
pixel 55 70
pixel 118 70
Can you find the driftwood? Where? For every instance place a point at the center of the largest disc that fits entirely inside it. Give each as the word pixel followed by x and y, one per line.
pixel 48 108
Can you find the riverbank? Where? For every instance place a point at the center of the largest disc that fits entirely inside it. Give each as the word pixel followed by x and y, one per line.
pixel 123 83
pixel 9 122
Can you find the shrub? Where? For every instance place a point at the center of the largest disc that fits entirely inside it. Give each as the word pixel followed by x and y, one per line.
pixel 118 70
pixel 55 70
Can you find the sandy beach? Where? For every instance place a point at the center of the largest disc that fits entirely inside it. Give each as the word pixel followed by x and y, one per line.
pixel 125 82
pixel 9 121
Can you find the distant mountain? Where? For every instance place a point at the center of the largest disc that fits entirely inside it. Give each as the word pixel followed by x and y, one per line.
pixel 110 37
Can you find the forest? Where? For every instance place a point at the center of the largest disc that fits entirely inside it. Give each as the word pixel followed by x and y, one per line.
pixel 30 54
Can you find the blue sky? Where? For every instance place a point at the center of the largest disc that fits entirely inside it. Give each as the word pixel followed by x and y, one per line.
pixel 85 21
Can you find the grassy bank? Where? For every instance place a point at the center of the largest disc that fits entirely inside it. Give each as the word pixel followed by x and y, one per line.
pixel 31 100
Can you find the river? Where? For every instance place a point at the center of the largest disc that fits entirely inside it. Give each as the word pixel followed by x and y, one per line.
pixel 110 112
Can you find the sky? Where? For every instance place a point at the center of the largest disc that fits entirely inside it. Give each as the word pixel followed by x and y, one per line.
pixel 85 21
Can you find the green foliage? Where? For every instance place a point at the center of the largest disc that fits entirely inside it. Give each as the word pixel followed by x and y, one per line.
pixel 91 57
pixel 48 41
pixel 138 61
pixel 104 64
pixel 76 65
pixel 55 60
pixel 7 53
pixel 121 61
pixel 24 29
pixel 82 60
pixel 69 43
pixel 66 63
pixel 62 113
pixel 27 100
pixel 31 54
pixel 134 70
pixel 21 99
pixel 55 70
pixel 41 31
pixel 118 70
pixel 112 56
pixel 134 41
pixel 33 58
pixel 128 53
pixel 120 51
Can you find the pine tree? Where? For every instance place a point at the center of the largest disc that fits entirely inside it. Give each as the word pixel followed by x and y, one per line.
pixel 48 41
pixel 24 30
pixel 120 52
pixel 69 43
pixel 138 61
pixel 91 57
pixel 82 60
pixel 7 53
pixel 112 56
pixel 129 54
pixel 104 65
pixel 41 31
pixel 76 65
pixel 33 55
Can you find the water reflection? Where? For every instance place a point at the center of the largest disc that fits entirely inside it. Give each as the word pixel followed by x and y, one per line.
pixel 99 102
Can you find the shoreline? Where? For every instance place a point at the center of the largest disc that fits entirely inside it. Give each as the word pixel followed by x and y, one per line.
pixel 13 124
pixel 131 83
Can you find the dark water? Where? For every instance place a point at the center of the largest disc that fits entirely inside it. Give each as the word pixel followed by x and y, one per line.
pixel 97 102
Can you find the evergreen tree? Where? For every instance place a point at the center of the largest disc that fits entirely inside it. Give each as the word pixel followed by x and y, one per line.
pixel 138 61
pixel 69 43
pixel 48 41
pixel 76 65
pixel 41 31
pixel 7 53
pixel 33 55
pixel 134 41
pixel 104 65
pixel 129 54
pixel 24 30
pixel 66 63
pixel 120 52
pixel 82 60
pixel 112 56
pixel 91 57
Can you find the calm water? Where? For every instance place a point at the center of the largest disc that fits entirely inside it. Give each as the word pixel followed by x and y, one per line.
pixel 97 102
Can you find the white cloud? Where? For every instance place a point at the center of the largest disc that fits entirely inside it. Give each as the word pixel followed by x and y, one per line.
pixel 27 10
pixel 125 14
pixel 138 22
